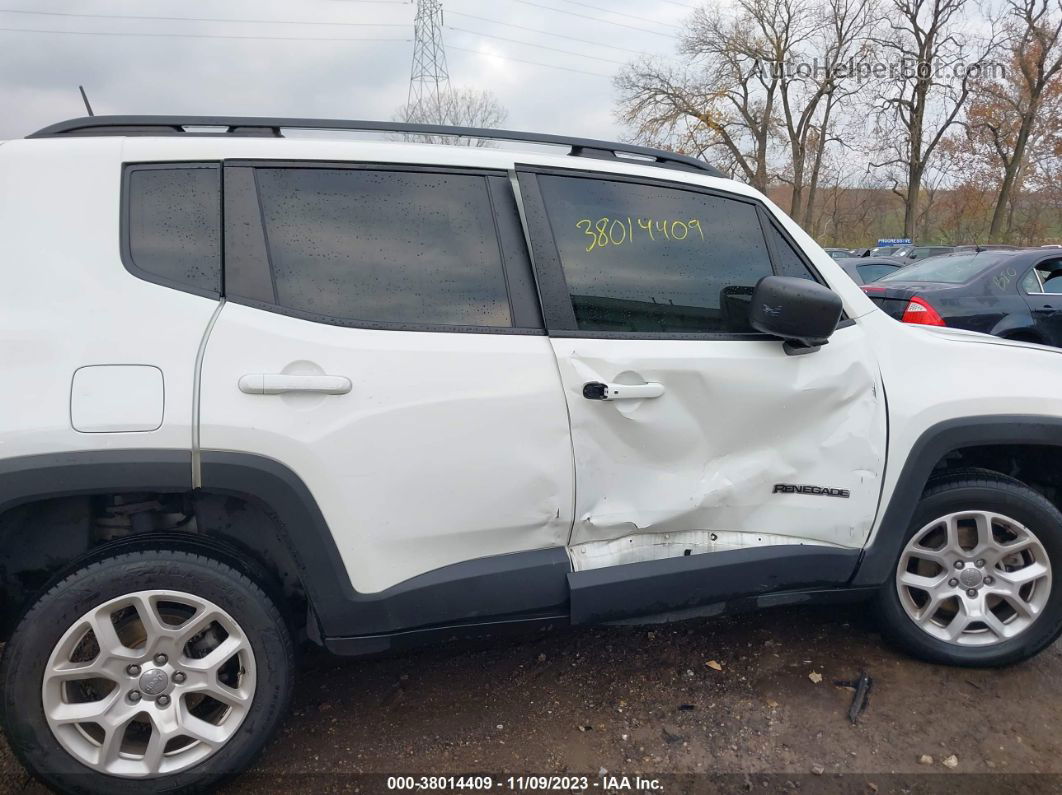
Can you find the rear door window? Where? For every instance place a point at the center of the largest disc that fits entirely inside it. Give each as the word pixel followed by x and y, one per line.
pixel 384 246
pixel 652 259
pixel 1046 277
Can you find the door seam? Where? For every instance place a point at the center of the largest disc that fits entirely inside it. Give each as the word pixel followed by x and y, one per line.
pixel 515 182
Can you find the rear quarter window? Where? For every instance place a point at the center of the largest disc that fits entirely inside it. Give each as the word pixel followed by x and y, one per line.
pixel 172 229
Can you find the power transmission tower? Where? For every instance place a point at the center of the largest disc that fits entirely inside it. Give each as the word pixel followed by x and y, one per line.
pixel 429 80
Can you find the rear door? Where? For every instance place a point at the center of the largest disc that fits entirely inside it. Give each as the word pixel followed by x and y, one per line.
pixel 715 431
pixel 382 339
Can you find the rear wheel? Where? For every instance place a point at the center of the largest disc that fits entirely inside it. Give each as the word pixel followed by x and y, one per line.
pixel 146 671
pixel 975 581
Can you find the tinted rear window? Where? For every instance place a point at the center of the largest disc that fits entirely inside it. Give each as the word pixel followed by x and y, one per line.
pixel 384 246
pixel 957 269
pixel 174 225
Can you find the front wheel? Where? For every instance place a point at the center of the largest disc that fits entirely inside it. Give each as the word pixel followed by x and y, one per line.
pixel 976 580
pixel 147 671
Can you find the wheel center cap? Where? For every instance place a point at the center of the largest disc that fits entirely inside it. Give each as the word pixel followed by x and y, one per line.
pixel 971 578
pixel 154 681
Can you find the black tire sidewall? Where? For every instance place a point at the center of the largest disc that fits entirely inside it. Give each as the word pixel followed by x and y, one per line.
pixel 1016 502
pixel 32 643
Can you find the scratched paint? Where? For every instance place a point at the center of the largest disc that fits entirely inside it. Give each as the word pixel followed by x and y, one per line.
pixel 639 546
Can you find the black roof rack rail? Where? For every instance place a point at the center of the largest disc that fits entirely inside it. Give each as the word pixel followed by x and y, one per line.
pixel 271 127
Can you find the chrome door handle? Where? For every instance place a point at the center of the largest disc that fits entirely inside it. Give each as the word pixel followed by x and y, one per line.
pixel 279 383
pixel 595 390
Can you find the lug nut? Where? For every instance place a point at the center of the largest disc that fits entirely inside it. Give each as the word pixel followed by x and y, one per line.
pixel 952 582
pixel 133 670
pixel 959 564
pixel 134 696
pixel 163 700
pixel 980 563
pixel 971 593
pixel 179 677
pixel 160 659
pixel 989 579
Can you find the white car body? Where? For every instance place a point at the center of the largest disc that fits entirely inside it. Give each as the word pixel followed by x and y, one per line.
pixel 453 447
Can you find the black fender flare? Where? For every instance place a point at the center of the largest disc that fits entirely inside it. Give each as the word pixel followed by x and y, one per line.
pixel 880 556
pixel 268 483
pixel 36 477
pixel 302 527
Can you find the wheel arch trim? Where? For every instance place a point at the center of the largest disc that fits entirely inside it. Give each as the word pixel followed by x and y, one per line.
pixel 272 486
pixel 879 557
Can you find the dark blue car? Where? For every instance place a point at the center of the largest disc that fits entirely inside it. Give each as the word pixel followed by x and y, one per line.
pixel 1012 294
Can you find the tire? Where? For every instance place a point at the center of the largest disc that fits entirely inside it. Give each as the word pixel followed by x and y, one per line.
pixel 1028 618
pixel 253 677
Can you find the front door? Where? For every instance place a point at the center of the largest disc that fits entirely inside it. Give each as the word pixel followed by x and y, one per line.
pixel 691 432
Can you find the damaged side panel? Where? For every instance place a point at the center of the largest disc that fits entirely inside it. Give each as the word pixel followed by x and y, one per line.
pixel 642 546
pixel 696 469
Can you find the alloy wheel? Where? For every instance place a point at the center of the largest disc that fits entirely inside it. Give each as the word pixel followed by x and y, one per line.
pixel 974 578
pixel 149 683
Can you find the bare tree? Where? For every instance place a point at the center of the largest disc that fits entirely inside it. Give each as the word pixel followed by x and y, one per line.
pixel 822 44
pixel 458 107
pixel 927 86
pixel 722 102
pixel 1009 113
pixel 762 83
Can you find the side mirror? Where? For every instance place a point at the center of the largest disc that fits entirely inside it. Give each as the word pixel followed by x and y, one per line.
pixel 799 311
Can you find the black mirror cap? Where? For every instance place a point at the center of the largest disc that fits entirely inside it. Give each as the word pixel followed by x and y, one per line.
pixel 799 311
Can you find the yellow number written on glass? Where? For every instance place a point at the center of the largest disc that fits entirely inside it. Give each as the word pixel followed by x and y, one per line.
pixel 608 231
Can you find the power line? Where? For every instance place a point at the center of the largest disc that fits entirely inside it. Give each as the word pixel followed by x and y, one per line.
pixel 621 14
pixel 540 46
pixel 594 19
pixel 533 63
pixel 545 32
pixel 188 35
pixel 202 19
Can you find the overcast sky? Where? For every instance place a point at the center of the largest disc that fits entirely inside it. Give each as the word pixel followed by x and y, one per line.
pixel 353 70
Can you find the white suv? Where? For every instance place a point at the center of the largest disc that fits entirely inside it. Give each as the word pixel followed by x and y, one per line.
pixel 266 388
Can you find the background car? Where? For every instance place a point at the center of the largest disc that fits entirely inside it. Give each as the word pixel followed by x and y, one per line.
pixel 838 253
pixel 1013 294
pixel 882 251
pixel 864 270
pixel 967 247
pixel 922 252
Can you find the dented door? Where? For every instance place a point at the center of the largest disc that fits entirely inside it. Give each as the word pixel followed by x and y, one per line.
pixel 692 433
pixel 706 465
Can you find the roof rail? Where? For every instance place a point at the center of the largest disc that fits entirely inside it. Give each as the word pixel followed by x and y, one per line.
pixel 272 127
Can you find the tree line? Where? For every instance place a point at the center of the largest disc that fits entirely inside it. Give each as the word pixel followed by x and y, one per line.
pixel 938 120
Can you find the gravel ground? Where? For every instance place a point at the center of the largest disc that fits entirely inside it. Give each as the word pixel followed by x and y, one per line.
pixel 707 705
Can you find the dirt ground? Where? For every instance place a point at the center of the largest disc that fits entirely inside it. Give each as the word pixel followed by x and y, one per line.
pixel 648 701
